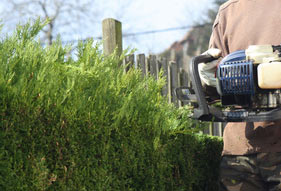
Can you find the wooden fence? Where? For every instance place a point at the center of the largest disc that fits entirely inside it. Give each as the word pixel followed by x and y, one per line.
pixel 176 75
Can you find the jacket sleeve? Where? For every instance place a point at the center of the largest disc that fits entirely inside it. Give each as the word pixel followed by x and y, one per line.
pixel 216 39
pixel 215 42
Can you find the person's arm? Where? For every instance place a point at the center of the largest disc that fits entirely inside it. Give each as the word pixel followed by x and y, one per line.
pixel 207 70
pixel 216 39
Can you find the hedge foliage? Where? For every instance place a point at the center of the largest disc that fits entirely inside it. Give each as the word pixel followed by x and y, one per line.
pixel 84 124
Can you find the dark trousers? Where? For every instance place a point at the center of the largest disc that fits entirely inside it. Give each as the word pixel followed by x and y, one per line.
pixel 255 172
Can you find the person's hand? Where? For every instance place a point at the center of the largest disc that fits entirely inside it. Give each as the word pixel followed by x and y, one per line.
pixel 207 70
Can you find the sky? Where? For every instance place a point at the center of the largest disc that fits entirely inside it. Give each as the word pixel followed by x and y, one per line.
pixel 138 16
pixel 147 15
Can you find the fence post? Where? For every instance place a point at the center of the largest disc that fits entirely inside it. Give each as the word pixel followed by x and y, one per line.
pixel 169 77
pixel 173 56
pixel 158 66
pixel 112 36
pixel 220 129
pixel 182 81
pixel 129 62
pixel 152 64
pixel 141 63
pixel 211 128
pixel 164 66
pixel 174 81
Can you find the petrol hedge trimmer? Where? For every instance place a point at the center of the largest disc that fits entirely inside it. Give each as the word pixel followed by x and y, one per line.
pixel 248 83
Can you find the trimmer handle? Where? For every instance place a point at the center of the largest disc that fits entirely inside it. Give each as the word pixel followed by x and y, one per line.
pixel 204 58
pixel 203 110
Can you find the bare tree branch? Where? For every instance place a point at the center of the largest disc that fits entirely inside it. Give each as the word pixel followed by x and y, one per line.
pixel 62 15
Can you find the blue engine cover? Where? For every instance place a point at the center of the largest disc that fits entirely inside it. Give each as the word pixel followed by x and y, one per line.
pixel 239 55
pixel 235 75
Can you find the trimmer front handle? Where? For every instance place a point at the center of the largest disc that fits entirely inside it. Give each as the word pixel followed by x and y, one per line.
pixel 203 111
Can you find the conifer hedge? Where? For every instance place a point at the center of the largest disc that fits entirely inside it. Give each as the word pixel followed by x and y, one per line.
pixel 83 124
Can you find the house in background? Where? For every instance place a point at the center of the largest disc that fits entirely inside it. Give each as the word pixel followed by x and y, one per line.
pixel 194 42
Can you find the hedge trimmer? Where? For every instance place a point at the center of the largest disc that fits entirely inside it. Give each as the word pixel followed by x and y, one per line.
pixel 248 83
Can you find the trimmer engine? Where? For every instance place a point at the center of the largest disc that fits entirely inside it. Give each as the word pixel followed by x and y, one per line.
pixel 248 82
pixel 251 78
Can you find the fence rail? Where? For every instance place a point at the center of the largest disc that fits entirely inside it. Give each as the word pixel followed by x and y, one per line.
pixel 175 73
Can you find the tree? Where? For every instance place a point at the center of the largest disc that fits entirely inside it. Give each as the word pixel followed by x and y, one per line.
pixel 201 35
pixel 212 13
pixel 65 16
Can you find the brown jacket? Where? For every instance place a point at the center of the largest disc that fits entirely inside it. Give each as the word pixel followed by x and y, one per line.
pixel 241 23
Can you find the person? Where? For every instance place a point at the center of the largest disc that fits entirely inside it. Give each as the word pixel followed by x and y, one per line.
pixel 251 157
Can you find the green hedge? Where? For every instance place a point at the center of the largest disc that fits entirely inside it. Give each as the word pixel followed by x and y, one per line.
pixel 82 124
